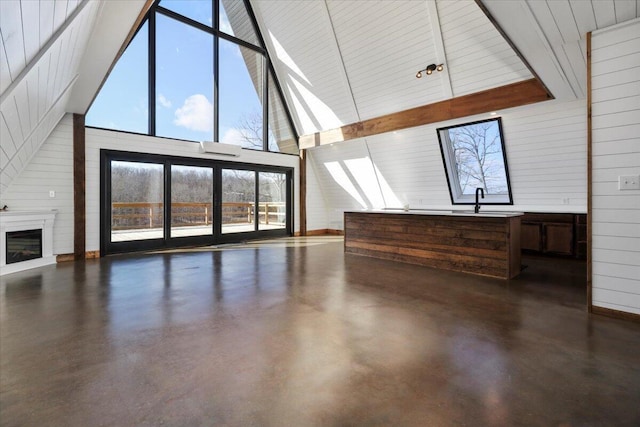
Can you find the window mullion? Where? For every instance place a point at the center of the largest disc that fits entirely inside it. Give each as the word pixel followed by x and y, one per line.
pixel 152 74
pixel 265 105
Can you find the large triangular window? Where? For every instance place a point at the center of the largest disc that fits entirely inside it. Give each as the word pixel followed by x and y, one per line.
pixel 197 70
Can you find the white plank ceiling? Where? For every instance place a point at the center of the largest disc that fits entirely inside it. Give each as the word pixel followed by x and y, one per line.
pixel 358 60
pixel 26 27
pixel 551 35
pixel 43 46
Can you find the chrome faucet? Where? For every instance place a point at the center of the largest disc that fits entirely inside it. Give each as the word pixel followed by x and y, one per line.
pixel 481 190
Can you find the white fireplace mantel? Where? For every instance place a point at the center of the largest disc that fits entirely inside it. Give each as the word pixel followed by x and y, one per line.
pixel 21 221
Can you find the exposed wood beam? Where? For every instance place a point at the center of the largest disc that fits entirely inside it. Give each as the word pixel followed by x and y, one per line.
pixel 79 192
pixel 509 96
pixel 589 182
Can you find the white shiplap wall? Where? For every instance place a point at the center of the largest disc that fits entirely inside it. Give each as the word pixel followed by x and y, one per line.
pixel 616 152
pixel 317 215
pixel 339 187
pixel 52 169
pixel 546 151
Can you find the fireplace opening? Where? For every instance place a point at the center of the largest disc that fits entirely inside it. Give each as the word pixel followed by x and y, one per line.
pixel 24 245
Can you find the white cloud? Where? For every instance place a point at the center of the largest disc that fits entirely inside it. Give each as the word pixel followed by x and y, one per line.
pixel 164 101
pixel 225 26
pixel 195 114
pixel 233 136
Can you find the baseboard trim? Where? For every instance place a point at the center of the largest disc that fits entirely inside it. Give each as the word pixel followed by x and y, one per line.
pixel 64 257
pixel 71 257
pixel 325 232
pixel 615 314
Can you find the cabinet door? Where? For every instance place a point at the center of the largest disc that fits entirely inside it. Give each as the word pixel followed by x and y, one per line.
pixel 531 236
pixel 558 238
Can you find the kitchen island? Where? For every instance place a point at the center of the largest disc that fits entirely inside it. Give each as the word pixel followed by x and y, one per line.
pixel 485 243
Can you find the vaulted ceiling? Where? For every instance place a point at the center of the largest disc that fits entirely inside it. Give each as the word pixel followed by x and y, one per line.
pixel 344 62
pixel 53 58
pixel 339 61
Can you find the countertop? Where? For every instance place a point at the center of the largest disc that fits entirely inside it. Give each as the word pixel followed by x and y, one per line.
pixel 457 213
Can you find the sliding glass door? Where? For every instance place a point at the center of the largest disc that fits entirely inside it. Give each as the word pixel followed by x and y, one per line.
pixel 238 201
pixel 154 202
pixel 137 201
pixel 272 207
pixel 191 201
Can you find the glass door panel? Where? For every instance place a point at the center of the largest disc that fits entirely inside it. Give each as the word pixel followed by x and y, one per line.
pixel 137 201
pixel 191 201
pixel 238 201
pixel 272 208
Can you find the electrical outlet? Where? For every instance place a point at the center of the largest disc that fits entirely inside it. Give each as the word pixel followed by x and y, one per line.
pixel 52 193
pixel 629 182
pixel 565 200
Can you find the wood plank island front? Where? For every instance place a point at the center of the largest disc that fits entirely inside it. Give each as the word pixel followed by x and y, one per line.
pixel 487 244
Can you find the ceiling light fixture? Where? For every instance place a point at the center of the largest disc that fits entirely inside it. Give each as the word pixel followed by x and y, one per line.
pixel 430 69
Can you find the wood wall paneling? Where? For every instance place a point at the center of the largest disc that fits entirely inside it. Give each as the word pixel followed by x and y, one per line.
pixel 79 190
pixel 484 246
pixel 303 192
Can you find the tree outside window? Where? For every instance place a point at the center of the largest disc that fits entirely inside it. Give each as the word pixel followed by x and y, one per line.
pixel 474 157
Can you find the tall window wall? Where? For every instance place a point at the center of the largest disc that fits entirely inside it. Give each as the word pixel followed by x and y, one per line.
pixel 197 70
pixel 153 201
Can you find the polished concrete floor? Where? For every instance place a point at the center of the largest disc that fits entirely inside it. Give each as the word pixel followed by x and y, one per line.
pixel 295 333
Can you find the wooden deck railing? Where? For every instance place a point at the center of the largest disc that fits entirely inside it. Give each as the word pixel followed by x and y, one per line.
pixel 136 215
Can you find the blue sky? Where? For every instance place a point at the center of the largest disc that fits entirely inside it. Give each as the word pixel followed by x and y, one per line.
pixel 184 82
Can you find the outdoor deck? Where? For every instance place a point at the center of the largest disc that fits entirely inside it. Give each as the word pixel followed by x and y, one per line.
pixel 144 220
pixel 156 233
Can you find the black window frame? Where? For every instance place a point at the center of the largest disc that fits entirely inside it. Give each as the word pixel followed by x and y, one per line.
pixel 449 168
pixel 107 247
pixel 268 72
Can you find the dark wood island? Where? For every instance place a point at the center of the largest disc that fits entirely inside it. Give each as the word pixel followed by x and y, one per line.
pixel 487 244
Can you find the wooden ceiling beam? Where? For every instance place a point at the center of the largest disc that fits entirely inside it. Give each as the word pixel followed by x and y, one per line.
pixel 508 96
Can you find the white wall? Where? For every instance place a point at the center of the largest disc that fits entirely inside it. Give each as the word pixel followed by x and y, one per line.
pixel 317 216
pixel 546 152
pixel 52 169
pixel 615 152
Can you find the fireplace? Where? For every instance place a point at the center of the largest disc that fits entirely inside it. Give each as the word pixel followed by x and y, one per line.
pixel 26 240
pixel 24 245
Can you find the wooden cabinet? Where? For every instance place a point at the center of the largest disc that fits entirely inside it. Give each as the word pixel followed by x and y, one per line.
pixel 531 236
pixel 557 238
pixel 581 236
pixel 488 246
pixel 554 234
